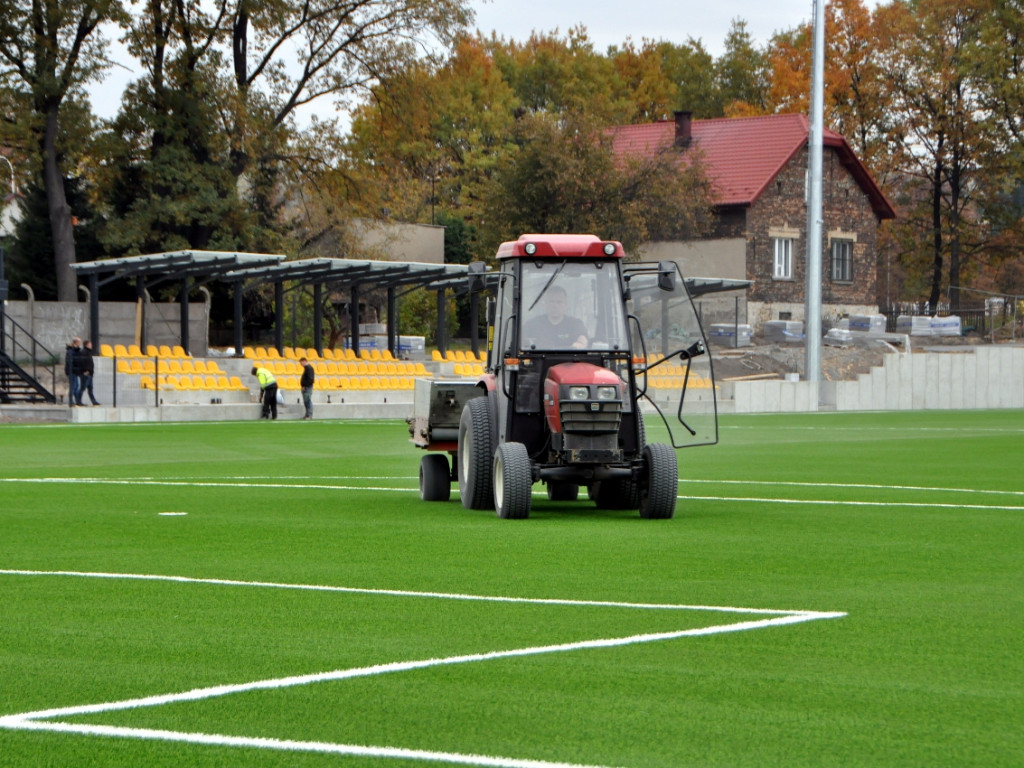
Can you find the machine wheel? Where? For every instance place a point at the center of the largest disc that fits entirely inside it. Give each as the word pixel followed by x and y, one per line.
pixel 659 482
pixel 476 451
pixel 435 478
pixel 559 490
pixel 513 481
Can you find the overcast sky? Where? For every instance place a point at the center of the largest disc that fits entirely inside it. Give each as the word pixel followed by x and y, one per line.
pixel 608 22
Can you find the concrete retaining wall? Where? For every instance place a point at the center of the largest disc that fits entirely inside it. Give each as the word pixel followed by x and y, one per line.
pixel 979 378
pixel 55 323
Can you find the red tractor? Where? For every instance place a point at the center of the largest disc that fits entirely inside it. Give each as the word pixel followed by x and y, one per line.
pixel 576 339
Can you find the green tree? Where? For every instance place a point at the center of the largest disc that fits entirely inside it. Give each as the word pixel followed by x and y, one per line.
pixel 206 141
pixel 741 73
pixel 50 49
pixel 30 256
pixel 943 140
pixel 565 178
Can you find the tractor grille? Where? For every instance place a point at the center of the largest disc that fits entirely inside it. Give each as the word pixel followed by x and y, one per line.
pixel 588 417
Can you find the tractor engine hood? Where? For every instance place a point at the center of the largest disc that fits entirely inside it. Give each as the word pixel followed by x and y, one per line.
pixel 582 397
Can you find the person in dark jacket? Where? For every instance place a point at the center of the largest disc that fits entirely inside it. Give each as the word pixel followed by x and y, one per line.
pixel 87 369
pixel 72 371
pixel 306 385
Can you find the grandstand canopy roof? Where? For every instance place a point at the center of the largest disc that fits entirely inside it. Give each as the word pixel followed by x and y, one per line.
pixel 176 264
pixel 350 272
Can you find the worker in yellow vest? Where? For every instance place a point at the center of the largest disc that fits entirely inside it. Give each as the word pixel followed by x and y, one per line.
pixel 268 390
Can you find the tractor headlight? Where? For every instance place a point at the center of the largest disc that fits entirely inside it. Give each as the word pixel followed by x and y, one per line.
pixel 579 393
pixel 609 249
pixel 606 393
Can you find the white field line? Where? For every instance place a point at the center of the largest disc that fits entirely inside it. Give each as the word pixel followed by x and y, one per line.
pixel 46 720
pixel 747 499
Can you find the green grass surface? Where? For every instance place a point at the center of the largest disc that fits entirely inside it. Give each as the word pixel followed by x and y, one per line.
pixel 912 525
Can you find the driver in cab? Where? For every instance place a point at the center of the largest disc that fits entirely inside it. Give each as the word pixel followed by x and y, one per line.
pixel 555 329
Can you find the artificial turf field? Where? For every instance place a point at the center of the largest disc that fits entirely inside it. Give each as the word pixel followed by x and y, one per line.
pixel 835 590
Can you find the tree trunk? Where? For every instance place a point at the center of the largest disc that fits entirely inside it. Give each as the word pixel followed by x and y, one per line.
pixel 60 212
pixel 933 299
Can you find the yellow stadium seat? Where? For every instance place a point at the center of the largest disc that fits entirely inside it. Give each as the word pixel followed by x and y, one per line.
pixel 386 355
pixel 165 351
pixel 178 351
pixel 435 355
pixel 134 351
pixel 187 366
pixel 120 350
pixel 198 366
pixel 290 354
pixel 152 350
pixel 260 353
pixel 249 353
pixel 209 381
pixel 148 366
pixel 146 382
pixel 273 354
pixel 375 355
pixel 106 350
pixel 173 366
pixel 123 366
pixel 450 356
pixel 135 366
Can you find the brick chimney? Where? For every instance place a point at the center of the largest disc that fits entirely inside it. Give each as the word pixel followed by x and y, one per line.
pixel 683 128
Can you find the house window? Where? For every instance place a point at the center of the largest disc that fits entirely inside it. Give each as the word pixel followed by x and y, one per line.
pixel 842 261
pixel 783 250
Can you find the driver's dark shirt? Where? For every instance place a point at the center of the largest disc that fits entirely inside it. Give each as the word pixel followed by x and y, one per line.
pixel 541 333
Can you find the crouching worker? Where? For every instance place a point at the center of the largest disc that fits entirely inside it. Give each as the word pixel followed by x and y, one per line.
pixel 268 391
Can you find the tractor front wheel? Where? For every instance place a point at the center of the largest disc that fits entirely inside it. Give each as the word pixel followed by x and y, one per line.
pixel 513 481
pixel 659 482
pixel 435 478
pixel 476 451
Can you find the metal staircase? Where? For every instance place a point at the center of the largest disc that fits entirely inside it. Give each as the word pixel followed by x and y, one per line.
pixel 24 365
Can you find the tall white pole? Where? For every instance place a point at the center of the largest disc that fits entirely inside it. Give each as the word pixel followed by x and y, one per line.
pixel 812 311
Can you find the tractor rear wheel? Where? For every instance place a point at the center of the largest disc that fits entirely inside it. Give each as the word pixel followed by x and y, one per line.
pixel 435 478
pixel 659 482
pixel 513 481
pixel 476 451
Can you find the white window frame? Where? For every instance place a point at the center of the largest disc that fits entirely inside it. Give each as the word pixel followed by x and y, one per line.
pixel 841 260
pixel 782 258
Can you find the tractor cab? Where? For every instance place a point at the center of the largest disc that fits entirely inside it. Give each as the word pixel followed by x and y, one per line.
pixel 576 341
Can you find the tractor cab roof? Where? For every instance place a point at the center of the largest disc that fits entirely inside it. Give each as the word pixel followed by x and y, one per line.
pixel 560 247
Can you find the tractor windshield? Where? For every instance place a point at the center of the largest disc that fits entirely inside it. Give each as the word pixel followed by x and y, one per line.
pixel 571 304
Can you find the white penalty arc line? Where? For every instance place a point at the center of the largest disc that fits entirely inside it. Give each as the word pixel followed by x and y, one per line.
pixel 200 694
pixel 352 750
pixel 412 593
pixel 46 720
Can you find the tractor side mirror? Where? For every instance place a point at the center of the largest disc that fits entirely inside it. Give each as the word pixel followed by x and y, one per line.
pixel 477 279
pixel 667 275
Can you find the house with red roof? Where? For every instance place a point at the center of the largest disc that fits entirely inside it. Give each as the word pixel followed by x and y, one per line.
pixel 758 170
